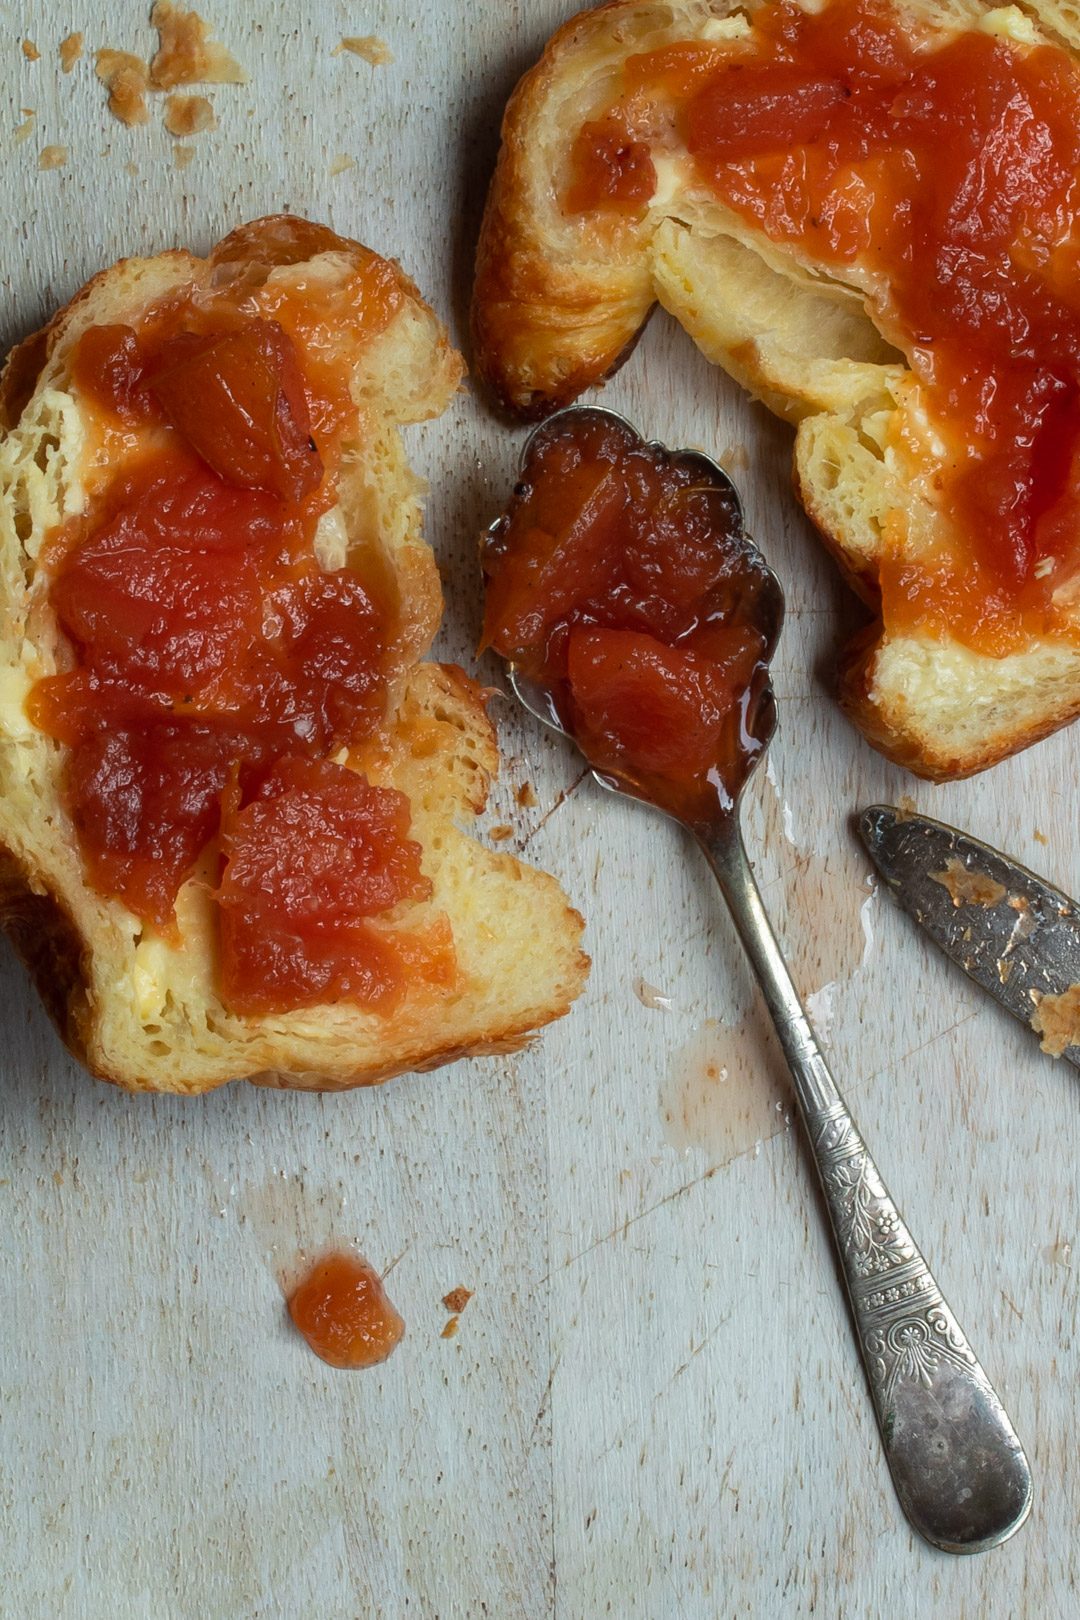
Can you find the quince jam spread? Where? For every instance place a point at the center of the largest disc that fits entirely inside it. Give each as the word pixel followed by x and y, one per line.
pixel 619 583
pixel 343 1311
pixel 217 675
pixel 937 171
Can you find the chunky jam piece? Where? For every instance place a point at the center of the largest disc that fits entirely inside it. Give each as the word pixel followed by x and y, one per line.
pixel 939 174
pixel 216 672
pixel 343 1312
pixel 620 584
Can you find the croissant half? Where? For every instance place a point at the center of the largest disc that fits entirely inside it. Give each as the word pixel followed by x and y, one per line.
pixel 560 297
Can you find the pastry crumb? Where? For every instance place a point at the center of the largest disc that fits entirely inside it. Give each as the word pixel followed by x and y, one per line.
pixel 186 54
pixel 342 162
pixel 500 834
pixel 906 807
pixel 52 157
pixel 736 458
pixel 30 51
pixel 132 169
pixel 183 155
pixel 71 49
pixel 188 115
pixel 968 888
pixel 369 46
pixel 450 1330
pixel 526 796
pixel 125 77
pixel 1039 836
pixel 457 1299
pixel 1056 1020
pixel 24 129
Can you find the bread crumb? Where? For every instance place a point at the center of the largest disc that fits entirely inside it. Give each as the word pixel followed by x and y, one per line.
pixel 30 51
pixel 188 115
pixel 1039 836
pixel 1056 1020
pixel 23 131
pixel 500 834
pixel 186 53
pixel 457 1299
pixel 70 51
pixel 968 888
pixel 125 78
pixel 526 796
pixel 53 157
pixel 183 155
pixel 341 163
pixel 451 1328
pixel 369 46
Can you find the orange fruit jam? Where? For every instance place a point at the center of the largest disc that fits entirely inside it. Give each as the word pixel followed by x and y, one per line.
pixel 940 171
pixel 214 668
pixel 342 1310
pixel 619 584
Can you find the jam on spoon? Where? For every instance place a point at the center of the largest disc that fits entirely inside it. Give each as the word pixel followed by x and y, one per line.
pixel 636 615
pixel 618 585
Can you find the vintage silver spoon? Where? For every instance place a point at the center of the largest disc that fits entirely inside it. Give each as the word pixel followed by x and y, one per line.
pixel 959 1470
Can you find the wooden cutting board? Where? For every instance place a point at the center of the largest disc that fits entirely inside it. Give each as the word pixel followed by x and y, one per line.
pixel 653 1406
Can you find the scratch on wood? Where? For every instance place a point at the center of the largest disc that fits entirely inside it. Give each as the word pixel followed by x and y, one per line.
pixel 696 1351
pixel 632 1220
pixel 545 1397
pixel 559 802
pixel 395 1260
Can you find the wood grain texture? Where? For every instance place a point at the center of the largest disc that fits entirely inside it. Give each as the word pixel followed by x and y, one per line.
pixel 653 1406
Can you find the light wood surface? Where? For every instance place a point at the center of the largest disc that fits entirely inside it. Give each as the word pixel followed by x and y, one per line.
pixel 653 1407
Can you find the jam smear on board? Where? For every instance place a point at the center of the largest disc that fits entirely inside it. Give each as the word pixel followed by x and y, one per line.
pixel 941 172
pixel 621 585
pixel 217 672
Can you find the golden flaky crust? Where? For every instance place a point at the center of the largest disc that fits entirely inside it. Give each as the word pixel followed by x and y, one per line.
pixel 141 1011
pixel 559 300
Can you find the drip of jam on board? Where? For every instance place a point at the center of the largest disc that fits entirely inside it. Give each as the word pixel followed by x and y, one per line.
pixel 936 171
pixel 620 584
pixel 342 1309
pixel 214 675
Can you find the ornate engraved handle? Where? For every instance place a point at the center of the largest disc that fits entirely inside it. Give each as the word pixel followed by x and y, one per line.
pixel 958 1467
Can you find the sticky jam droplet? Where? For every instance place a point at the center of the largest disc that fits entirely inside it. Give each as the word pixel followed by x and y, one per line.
pixel 342 1310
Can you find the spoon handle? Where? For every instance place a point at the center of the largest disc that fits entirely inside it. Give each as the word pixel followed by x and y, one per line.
pixel 957 1465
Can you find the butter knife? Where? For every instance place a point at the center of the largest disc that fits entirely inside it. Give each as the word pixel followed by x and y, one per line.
pixel 1012 932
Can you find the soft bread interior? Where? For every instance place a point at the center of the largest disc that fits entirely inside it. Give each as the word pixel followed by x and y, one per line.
pixel 560 299
pixel 145 1012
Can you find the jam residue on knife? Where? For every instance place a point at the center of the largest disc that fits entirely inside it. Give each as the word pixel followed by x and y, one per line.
pixel 939 169
pixel 213 675
pixel 620 584
pixel 341 1308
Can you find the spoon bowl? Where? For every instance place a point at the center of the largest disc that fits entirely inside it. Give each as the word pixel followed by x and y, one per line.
pixel 760 602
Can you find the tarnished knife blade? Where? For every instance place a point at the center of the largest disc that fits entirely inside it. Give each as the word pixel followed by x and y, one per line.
pixel 1024 945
